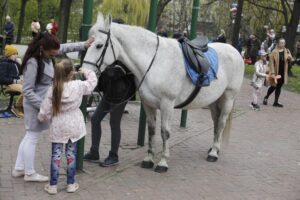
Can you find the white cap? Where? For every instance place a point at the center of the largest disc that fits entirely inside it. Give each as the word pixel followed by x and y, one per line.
pixel 7 17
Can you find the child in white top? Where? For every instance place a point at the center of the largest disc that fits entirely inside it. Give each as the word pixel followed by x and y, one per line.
pixel 61 105
pixel 259 76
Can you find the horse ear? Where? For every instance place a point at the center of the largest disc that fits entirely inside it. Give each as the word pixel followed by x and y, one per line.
pixel 100 19
pixel 108 21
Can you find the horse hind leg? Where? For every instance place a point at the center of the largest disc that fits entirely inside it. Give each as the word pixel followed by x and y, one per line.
pixel 148 162
pixel 166 117
pixel 221 113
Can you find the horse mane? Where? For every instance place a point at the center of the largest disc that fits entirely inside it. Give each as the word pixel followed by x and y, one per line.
pixel 115 27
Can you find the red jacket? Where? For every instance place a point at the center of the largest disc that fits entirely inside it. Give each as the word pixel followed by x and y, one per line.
pixel 54 28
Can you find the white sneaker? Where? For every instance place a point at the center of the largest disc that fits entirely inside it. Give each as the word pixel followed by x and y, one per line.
pixel 72 187
pixel 51 189
pixel 17 173
pixel 35 178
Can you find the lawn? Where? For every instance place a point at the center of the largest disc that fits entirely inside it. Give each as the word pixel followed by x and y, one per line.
pixel 293 83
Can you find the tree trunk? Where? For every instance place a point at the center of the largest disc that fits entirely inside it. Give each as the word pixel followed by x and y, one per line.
pixel 291 30
pixel 64 15
pixel 160 8
pixel 2 7
pixel 21 21
pixel 237 24
pixel 39 4
pixel 285 13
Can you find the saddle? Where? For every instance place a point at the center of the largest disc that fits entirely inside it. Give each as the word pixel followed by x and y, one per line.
pixel 193 52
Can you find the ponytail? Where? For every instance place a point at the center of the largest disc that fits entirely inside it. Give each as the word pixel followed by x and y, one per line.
pixel 62 73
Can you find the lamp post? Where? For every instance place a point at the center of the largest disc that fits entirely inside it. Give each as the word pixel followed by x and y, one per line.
pixel 193 34
pixel 142 121
pixel 84 30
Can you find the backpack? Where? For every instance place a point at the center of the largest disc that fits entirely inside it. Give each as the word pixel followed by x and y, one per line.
pixel 116 82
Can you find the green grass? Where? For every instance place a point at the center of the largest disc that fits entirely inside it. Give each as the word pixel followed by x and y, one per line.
pixel 293 83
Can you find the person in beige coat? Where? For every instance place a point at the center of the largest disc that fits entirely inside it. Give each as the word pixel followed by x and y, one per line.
pixel 278 65
pixel 61 105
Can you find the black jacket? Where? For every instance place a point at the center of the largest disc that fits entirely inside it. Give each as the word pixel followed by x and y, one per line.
pixel 117 83
pixel 9 71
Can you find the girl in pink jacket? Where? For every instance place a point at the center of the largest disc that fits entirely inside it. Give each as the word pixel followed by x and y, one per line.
pixel 61 105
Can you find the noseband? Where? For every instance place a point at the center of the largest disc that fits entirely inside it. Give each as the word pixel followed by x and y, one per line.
pixel 102 55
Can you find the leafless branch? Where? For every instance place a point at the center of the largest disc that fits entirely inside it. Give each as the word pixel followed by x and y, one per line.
pixel 262 6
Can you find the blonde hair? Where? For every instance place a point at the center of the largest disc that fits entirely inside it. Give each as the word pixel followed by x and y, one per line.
pixel 62 72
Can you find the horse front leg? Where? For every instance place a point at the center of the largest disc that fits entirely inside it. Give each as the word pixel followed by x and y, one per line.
pixel 148 161
pixel 166 117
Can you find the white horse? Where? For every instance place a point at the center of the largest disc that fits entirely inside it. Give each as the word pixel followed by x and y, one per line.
pixel 167 84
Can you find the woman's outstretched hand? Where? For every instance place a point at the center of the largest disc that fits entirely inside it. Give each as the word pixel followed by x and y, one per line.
pixel 89 42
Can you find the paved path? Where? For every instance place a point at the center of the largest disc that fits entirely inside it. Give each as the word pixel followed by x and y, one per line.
pixel 262 160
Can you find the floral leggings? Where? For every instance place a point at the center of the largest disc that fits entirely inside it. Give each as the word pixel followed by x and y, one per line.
pixel 70 151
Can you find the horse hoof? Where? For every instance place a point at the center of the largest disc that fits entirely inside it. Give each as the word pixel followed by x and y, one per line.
pixel 161 169
pixel 211 158
pixel 147 164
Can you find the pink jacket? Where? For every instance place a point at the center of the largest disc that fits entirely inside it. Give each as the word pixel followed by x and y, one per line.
pixel 69 123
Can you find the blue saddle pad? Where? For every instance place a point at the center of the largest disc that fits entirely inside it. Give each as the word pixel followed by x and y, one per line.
pixel 213 60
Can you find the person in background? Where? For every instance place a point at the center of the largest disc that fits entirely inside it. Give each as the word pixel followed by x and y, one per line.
pixel 253 46
pixel 259 76
pixel 10 76
pixel 117 89
pixel 162 32
pixel 61 106
pixel 54 29
pixel 240 44
pixel 279 60
pixel 221 37
pixel 35 27
pixel 9 28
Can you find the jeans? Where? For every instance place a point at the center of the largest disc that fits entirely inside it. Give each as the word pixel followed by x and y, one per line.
pixel 70 151
pixel 116 113
pixel 26 152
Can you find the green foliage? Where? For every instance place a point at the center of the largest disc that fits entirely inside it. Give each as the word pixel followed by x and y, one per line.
pixel 134 12
pixel 49 10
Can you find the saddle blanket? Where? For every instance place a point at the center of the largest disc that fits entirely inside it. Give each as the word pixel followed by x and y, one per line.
pixel 212 57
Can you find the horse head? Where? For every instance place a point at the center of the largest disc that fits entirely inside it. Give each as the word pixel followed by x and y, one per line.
pixel 102 52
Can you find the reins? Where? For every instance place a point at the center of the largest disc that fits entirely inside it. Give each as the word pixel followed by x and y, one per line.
pixel 101 59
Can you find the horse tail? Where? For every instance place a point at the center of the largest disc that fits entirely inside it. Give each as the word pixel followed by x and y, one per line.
pixel 227 128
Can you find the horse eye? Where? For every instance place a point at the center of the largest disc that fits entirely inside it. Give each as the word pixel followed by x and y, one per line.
pixel 99 46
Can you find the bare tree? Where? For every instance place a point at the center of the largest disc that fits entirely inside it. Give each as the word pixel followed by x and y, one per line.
pixel 21 20
pixel 3 5
pixel 237 23
pixel 160 8
pixel 291 23
pixel 291 30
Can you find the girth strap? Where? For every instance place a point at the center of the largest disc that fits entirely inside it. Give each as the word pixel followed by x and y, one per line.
pixel 190 98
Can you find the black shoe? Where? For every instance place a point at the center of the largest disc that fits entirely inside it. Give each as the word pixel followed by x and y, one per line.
pixel 254 106
pixel 111 160
pixel 265 101
pixel 278 105
pixel 91 157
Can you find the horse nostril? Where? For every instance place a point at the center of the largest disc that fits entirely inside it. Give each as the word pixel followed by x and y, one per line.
pixel 99 46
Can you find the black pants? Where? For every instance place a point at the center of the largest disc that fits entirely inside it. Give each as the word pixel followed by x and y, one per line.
pixel 277 89
pixel 116 113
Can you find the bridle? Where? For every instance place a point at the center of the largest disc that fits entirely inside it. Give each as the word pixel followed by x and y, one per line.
pixel 100 60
